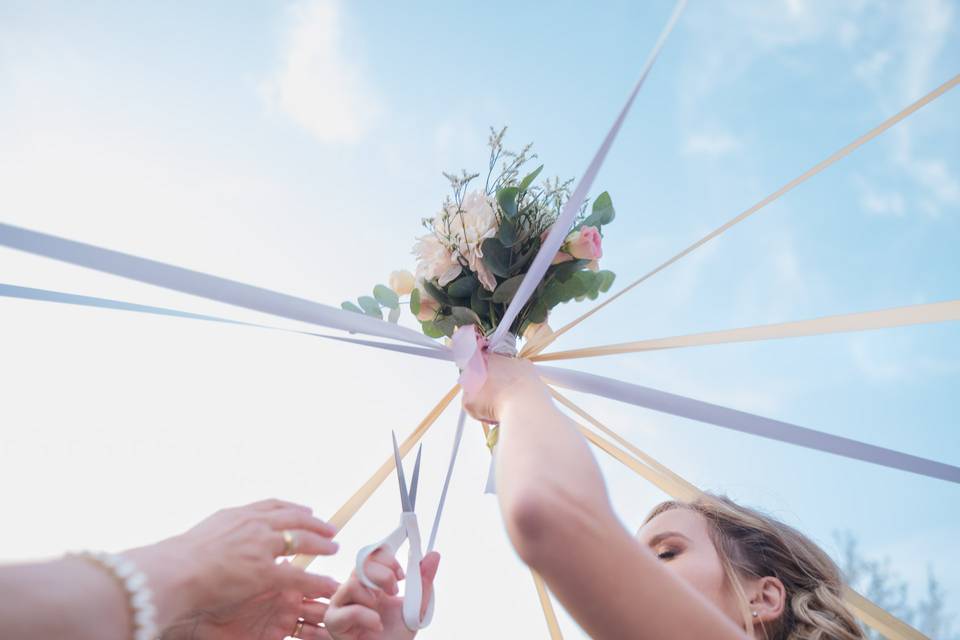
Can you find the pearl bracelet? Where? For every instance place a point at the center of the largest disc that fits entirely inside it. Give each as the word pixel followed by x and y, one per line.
pixel 134 583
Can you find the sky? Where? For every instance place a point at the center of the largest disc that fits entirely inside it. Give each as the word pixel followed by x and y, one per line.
pixel 296 146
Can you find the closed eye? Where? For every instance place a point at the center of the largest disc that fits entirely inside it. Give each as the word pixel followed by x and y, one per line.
pixel 668 554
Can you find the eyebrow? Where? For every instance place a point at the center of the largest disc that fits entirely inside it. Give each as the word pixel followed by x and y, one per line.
pixel 660 537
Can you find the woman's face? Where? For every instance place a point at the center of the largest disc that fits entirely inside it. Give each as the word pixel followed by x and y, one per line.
pixel 680 538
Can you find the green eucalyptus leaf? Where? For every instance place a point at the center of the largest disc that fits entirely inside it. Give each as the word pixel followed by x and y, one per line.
pixel 507 289
pixel 349 306
pixel 464 316
pixel 386 296
pixel 431 329
pixel 507 234
pixel 497 257
pixel 537 313
pixel 565 270
pixel 602 212
pixel 446 325
pixel 415 301
pixel 507 199
pixel 370 306
pixel 463 287
pixel 436 293
pixel 394 314
pixel 607 280
pixel 479 304
pixel 528 180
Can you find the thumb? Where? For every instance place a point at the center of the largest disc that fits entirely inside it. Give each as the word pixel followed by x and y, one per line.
pixel 428 571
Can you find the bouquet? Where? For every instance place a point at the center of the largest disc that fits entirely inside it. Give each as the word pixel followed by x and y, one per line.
pixel 478 248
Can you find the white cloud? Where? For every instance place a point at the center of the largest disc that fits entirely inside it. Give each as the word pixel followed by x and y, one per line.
pixel 318 85
pixel 869 69
pixel 880 202
pixel 710 143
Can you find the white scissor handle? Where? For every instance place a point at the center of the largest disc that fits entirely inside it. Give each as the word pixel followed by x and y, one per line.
pixel 409 530
pixel 391 543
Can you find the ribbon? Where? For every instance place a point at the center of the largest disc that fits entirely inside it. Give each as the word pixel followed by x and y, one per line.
pixel 467 347
pixel 868 320
pixel 361 495
pixel 746 422
pixel 44 295
pixel 204 285
pixel 569 211
pixel 679 489
pixel 540 345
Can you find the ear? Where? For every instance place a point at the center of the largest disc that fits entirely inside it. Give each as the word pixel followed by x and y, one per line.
pixel 767 599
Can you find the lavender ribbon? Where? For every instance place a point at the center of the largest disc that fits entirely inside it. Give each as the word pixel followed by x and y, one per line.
pixel 44 295
pixel 204 285
pixel 746 422
pixel 567 215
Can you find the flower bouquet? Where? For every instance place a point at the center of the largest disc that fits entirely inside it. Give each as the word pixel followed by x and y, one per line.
pixel 481 244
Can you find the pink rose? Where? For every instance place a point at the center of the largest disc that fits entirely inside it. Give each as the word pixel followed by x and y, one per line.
pixel 428 307
pixel 584 244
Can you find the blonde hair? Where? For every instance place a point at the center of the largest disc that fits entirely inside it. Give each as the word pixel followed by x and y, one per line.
pixel 752 545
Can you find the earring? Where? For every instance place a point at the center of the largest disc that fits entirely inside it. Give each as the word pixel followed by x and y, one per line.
pixel 756 615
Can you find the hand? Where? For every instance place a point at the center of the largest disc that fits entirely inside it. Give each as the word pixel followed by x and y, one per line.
pixel 269 616
pixel 230 558
pixel 507 379
pixel 359 613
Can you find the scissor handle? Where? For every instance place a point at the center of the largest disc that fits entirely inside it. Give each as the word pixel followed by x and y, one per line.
pixel 391 543
pixel 408 530
pixel 413 591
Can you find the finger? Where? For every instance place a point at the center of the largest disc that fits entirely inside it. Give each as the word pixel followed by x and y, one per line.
pixel 428 571
pixel 313 611
pixel 310 585
pixel 294 518
pixel 382 556
pixel 382 576
pixel 304 541
pixel 353 592
pixel 313 632
pixel 274 503
pixel 351 617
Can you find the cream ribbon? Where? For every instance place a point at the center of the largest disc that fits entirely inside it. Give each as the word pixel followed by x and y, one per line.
pixel 538 346
pixel 679 489
pixel 868 320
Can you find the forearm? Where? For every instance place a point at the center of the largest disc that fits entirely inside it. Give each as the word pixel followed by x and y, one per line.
pixel 68 598
pixel 559 518
pixel 542 458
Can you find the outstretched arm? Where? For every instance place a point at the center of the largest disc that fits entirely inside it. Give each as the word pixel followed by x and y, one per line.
pixel 558 516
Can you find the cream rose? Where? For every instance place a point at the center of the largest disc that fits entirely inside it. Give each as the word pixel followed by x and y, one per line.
pixel 402 282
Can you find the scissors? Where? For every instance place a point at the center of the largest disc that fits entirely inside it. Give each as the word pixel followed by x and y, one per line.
pixel 409 529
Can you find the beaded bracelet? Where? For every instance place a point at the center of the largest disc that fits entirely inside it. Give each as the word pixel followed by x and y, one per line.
pixel 134 583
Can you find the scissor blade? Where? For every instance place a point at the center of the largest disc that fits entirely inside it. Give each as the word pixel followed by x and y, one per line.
pixel 404 496
pixel 415 480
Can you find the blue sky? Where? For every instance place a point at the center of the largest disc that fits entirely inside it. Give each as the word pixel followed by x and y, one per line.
pixel 297 146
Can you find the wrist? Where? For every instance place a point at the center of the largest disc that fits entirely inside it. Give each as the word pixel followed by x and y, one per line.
pixel 170 576
pixel 524 391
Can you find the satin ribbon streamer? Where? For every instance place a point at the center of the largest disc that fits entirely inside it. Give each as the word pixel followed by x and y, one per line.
pixel 746 422
pixel 204 285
